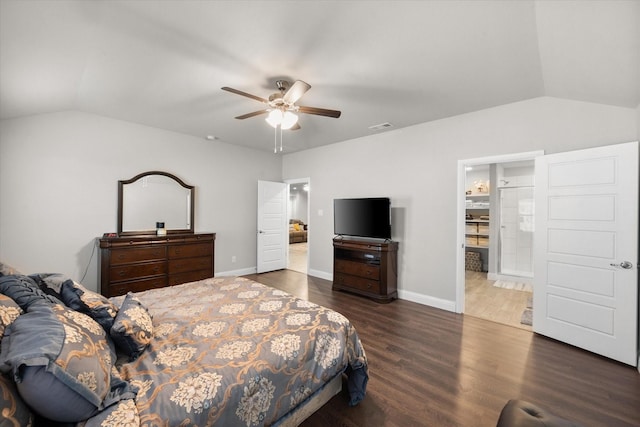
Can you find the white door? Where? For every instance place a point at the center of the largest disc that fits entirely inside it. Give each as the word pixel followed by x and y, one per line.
pixel 586 250
pixel 272 226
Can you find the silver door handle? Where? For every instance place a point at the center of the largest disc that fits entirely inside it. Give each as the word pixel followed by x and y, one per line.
pixel 624 264
pixel 260 231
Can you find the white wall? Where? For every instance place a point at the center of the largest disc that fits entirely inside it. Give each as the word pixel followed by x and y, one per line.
pixel 298 203
pixel 638 123
pixel 58 188
pixel 417 168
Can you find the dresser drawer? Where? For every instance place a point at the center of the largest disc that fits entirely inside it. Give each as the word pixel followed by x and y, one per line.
pixel 190 250
pixel 190 264
pixel 135 271
pixel 191 276
pixel 357 283
pixel 357 269
pixel 129 255
pixel 137 286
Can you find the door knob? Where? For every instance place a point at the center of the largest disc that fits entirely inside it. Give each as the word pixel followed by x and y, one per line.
pixel 624 264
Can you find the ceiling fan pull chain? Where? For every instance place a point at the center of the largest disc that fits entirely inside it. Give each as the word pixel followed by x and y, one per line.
pixel 275 140
pixel 280 138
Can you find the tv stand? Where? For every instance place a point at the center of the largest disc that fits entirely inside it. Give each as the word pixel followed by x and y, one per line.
pixel 366 268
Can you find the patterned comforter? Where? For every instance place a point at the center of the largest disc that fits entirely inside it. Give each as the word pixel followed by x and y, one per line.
pixel 229 351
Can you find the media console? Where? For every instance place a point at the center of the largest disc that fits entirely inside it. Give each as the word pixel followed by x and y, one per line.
pixel 366 268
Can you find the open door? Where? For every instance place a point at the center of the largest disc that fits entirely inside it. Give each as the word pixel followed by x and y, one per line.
pixel 586 250
pixel 272 226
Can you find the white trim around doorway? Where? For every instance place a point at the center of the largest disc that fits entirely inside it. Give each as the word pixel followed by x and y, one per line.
pixel 460 211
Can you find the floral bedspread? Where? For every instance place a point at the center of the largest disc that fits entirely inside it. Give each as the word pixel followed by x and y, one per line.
pixel 229 351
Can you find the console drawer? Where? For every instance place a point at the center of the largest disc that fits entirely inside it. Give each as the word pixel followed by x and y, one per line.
pixel 359 283
pixel 358 269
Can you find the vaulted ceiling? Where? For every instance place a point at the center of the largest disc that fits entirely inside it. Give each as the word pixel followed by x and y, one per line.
pixel 162 63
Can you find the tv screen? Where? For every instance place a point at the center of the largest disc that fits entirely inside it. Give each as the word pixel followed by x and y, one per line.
pixel 370 217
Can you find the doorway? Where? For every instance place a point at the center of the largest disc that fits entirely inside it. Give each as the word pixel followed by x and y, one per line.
pixel 495 255
pixel 298 222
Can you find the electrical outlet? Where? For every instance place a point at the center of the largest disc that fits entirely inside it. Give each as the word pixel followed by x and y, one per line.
pixel 233 258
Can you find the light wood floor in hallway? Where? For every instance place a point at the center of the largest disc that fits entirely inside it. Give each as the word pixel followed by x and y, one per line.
pixel 489 302
pixel 298 257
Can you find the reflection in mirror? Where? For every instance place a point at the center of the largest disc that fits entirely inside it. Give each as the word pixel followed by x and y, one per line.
pixel 153 197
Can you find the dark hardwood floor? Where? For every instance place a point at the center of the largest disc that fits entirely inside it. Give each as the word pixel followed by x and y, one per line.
pixel 429 367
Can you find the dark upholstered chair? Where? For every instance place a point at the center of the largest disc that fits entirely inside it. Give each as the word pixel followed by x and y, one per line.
pixel 518 413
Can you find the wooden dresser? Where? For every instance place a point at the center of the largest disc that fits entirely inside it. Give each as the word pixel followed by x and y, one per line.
pixel 366 268
pixel 138 263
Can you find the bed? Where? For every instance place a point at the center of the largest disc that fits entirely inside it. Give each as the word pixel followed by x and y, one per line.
pixel 221 351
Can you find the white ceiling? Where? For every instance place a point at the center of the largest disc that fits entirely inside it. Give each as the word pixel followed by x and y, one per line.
pixel 162 63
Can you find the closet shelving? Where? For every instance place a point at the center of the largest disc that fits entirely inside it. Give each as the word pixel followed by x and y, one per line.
pixel 477 221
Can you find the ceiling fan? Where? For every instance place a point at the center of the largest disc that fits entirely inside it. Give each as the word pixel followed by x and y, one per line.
pixel 281 105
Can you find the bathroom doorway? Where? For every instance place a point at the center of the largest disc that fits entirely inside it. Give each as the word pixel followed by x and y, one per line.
pixel 497 268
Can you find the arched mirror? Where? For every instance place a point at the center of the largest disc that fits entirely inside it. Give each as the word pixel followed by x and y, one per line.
pixel 152 197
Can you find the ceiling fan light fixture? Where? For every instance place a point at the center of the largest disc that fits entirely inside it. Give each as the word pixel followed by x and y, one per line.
pixel 288 120
pixel 281 107
pixel 274 118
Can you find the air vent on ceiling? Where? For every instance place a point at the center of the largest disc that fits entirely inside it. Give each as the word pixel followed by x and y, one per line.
pixel 381 126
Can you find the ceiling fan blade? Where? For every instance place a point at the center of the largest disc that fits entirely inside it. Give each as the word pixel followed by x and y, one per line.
pixel 296 91
pixel 248 95
pixel 255 113
pixel 295 127
pixel 319 111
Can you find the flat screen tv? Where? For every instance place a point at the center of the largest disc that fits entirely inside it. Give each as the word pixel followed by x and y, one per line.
pixel 369 217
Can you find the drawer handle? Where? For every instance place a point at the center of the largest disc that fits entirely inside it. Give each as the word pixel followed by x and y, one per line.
pixel 122 273
pixel 178 251
pixel 368 285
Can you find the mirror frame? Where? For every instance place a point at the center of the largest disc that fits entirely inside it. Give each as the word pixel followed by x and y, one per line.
pixel 121 183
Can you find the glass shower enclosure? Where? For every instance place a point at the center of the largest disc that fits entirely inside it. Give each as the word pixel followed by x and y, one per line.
pixel 516 231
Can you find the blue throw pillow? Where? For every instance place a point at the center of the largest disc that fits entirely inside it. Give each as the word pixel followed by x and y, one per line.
pixel 132 330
